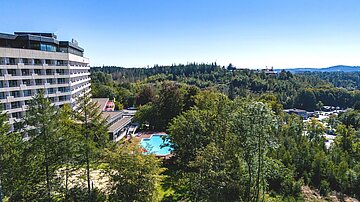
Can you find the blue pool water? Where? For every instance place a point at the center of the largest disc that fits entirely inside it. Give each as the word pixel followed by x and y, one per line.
pixel 154 144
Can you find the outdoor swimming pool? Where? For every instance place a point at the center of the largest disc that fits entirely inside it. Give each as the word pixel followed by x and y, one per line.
pixel 154 144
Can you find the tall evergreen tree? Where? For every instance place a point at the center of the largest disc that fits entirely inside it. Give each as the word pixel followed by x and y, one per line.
pixel 71 147
pixel 93 128
pixel 41 127
pixel 4 139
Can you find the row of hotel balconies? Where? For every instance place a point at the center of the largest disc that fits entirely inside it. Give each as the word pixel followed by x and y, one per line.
pixel 79 88
pixel 44 66
pixel 6 74
pixel 16 114
pixel 36 76
pixel 13 103
pixel 9 85
pixel 29 96
pixel 39 62
pixel 21 105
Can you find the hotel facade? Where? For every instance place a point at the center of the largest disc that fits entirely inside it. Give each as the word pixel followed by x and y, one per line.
pixel 30 62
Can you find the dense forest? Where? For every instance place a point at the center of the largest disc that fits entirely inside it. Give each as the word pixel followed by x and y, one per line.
pixel 307 91
pixel 230 137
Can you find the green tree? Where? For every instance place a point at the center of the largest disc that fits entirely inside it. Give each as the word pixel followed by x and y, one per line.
pixel 168 105
pixel 253 124
pixel 71 147
pixel 214 178
pixel 342 178
pixel 145 115
pixel 146 95
pixel 195 128
pixel 93 129
pixel 356 105
pixel 189 96
pixel 345 138
pixel 41 121
pixel 103 91
pixel 350 117
pixel 315 129
pixel 10 154
pixel 189 132
pixel 101 78
pixel 306 100
pixel 133 176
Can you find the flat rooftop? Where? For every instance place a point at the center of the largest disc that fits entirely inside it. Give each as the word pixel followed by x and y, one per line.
pixel 101 102
pixel 110 115
pixel 121 123
pixel 42 41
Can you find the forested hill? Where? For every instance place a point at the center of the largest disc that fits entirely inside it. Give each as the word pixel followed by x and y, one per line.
pixel 122 74
pixel 338 68
pixel 308 90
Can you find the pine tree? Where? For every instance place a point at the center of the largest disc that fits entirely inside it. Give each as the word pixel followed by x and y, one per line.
pixel 93 128
pixel 4 129
pixel 41 127
pixel 70 144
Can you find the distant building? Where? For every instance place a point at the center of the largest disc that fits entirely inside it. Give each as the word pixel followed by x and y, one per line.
pixel 110 106
pixel 328 108
pixel 299 112
pixel 119 121
pixel 31 61
pixel 269 71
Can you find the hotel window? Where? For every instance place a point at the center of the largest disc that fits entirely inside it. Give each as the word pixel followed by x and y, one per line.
pixel 47 47
pixel 26 61
pixel 15 93
pixel 61 81
pixel 49 72
pixel 25 72
pixel 63 89
pixel 11 61
pixel 38 82
pixel 50 48
pixel 60 63
pixel 12 72
pixel 26 82
pixel 27 93
pixel 62 98
pixel 50 81
pixel 37 62
pixel 50 91
pixel 12 83
pixel 60 71
pixel 15 105
pixel 16 115
pixel 37 71
pixel 48 62
pixel 1 84
pixel 2 95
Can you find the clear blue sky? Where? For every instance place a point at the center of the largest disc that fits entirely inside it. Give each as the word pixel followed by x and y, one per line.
pixel 246 33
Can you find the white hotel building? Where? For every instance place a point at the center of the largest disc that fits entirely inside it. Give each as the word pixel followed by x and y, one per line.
pixel 33 61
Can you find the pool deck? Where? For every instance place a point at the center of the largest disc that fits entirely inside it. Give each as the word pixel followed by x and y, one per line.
pixel 143 135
